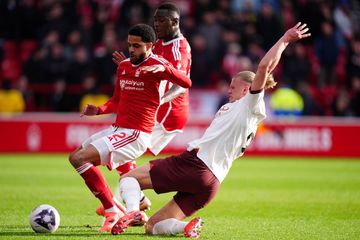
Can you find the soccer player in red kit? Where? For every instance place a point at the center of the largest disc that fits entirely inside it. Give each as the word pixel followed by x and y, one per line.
pixel 173 46
pixel 137 96
pixel 173 113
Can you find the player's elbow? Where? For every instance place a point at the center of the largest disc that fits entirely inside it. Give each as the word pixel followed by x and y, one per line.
pixel 263 68
pixel 186 84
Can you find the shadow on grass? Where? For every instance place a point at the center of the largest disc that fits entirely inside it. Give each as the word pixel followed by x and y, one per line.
pixel 70 235
pixel 68 231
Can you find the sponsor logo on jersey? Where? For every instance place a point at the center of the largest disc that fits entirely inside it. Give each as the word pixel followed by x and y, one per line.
pixel 131 85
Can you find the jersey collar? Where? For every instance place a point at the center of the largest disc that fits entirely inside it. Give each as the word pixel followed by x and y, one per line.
pixel 173 40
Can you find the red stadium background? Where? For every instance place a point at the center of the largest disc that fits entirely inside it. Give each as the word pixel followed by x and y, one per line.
pixel 301 137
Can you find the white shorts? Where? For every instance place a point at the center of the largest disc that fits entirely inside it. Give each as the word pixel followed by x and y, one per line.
pixel 160 138
pixel 117 146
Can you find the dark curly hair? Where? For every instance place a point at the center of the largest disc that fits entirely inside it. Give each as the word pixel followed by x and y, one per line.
pixel 144 31
pixel 170 7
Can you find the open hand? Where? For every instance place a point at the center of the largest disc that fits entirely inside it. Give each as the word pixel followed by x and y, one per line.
pixel 89 110
pixel 118 57
pixel 297 32
pixel 154 68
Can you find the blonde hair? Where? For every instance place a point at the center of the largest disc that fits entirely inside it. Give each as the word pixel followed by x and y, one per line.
pixel 248 76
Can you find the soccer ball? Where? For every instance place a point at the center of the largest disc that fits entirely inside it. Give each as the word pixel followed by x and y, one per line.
pixel 44 219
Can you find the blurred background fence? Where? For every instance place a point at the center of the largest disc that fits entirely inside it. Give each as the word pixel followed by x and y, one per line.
pixel 55 56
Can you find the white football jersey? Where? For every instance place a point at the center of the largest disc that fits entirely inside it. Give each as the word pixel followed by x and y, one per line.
pixel 231 131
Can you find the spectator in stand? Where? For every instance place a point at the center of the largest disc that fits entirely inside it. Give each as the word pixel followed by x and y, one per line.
pixel 23 87
pixel 59 99
pixel 56 66
pixel 353 58
pixel 103 56
pixel 355 95
pixel 285 101
pixel 341 106
pixel 134 12
pixel 230 63
pixel 327 59
pixel 199 68
pixel 297 66
pixel 91 94
pixel 79 66
pixel 288 13
pixel 343 19
pixel 55 20
pixel 268 25
pixel 210 29
pixel 311 107
pixel 74 40
pixel 11 100
pixel 254 52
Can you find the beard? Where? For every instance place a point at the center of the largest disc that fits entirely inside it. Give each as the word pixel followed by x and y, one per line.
pixel 137 60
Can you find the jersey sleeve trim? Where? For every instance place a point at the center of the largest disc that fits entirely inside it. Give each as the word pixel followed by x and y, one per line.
pixel 256 92
pixel 176 51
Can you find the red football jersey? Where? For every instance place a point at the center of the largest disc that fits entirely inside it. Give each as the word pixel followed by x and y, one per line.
pixel 173 115
pixel 137 93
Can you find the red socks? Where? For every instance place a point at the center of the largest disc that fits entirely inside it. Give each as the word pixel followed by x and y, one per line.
pixel 97 184
pixel 126 167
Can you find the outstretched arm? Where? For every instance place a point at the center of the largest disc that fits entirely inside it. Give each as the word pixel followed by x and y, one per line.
pixel 169 72
pixel 272 57
pixel 173 93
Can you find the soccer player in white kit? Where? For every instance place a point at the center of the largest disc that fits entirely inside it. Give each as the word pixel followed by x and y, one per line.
pixel 196 174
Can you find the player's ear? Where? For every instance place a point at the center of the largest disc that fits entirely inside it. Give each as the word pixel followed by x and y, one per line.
pixel 149 46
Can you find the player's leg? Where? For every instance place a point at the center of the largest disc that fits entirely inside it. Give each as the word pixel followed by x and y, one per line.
pixel 128 145
pixel 130 187
pixel 168 221
pixel 145 202
pixel 196 186
pixel 85 160
pixel 122 169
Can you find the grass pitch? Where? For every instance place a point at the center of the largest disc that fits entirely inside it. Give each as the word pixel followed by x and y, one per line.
pixel 261 198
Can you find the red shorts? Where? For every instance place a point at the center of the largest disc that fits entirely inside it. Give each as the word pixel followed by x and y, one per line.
pixel 195 184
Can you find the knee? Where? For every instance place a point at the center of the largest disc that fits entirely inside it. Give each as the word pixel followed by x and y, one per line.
pixel 75 158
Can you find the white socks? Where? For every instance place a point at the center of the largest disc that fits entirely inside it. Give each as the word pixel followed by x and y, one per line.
pixel 117 196
pixel 170 226
pixel 112 209
pixel 130 193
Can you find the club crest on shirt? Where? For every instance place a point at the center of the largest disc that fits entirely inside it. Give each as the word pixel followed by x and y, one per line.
pixel 137 73
pixel 222 110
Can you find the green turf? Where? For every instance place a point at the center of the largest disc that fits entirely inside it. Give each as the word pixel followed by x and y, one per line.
pixel 262 198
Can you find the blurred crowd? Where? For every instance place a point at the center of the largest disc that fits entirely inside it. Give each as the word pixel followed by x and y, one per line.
pixel 57 53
